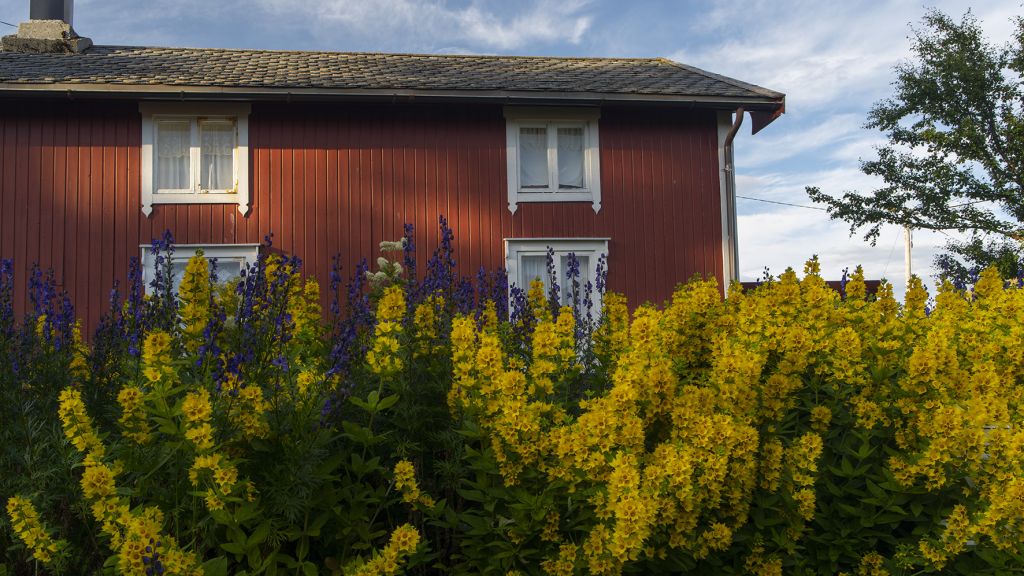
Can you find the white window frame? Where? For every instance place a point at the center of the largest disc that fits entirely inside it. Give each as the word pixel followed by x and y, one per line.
pixel 194 113
pixel 552 119
pixel 242 253
pixel 516 248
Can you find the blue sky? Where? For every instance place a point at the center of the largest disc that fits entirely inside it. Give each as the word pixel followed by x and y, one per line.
pixel 832 59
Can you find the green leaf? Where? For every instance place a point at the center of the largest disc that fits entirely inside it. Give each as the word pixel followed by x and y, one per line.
pixel 233 547
pixel 259 535
pixel 309 569
pixel 216 567
pixel 387 402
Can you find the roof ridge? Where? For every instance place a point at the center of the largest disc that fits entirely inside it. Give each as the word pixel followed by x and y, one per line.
pixel 409 54
pixel 734 82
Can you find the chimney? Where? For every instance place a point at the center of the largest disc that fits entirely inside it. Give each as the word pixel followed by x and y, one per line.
pixel 48 30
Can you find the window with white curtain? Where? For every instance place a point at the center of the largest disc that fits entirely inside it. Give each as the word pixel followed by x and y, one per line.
pixel 553 155
pixel 526 260
pixel 231 260
pixel 195 153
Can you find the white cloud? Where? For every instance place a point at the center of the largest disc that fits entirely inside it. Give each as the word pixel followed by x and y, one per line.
pixel 788 237
pixel 822 54
pixel 825 136
pixel 433 23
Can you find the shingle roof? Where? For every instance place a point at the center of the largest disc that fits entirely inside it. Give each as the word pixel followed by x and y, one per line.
pixel 186 68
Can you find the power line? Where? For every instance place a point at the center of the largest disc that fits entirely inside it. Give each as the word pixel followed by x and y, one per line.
pixel 8 23
pixel 891 250
pixel 781 203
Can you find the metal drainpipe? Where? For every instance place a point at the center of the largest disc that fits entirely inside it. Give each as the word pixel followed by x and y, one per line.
pixel 730 190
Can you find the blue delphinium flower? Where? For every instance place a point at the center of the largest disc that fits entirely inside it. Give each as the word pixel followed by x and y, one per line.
pixel 409 261
pixel 134 318
pixel 6 298
pixel 554 290
pixel 440 275
pixel 499 293
pixel 463 297
pixel 601 274
pixel 335 289
pixel 162 306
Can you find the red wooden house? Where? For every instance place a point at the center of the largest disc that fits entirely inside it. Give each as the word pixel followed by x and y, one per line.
pixel 102 148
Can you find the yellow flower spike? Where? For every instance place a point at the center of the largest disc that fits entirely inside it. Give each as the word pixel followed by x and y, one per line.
pixel 133 414
pixel 564 563
pixel 538 301
pixel 156 360
pixel 77 424
pixel 405 482
pixel 404 541
pixel 383 358
pixel 194 294
pixel 248 412
pixel 26 526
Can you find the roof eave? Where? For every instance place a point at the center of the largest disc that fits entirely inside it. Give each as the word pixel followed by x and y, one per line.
pixel 773 106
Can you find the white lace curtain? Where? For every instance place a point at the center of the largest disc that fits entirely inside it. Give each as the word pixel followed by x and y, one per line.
pixel 172 144
pixel 570 158
pixel 216 145
pixel 531 268
pixel 533 157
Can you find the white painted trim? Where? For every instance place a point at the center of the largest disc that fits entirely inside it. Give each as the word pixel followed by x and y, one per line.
pixel 553 118
pixel 193 112
pixel 730 270
pixel 244 253
pixel 516 248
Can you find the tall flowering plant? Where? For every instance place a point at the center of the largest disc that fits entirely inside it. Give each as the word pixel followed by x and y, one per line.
pixel 226 428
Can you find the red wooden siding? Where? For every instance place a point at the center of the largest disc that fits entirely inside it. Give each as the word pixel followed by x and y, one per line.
pixel 329 179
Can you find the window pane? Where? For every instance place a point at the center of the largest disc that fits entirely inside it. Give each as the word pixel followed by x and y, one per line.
pixel 228 269
pixel 533 267
pixel 178 272
pixel 533 158
pixel 570 158
pixel 582 278
pixel 217 145
pixel 172 155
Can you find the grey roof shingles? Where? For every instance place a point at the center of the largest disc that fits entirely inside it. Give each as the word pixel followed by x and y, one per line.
pixel 292 70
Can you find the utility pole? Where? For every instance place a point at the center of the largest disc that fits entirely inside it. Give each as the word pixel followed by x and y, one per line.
pixel 907 244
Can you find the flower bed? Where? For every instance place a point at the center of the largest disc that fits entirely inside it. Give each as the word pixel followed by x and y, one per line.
pixel 430 428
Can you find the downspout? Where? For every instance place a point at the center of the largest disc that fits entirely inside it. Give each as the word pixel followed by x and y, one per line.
pixel 730 194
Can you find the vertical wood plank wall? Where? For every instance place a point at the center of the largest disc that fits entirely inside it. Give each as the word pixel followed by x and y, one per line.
pixel 340 178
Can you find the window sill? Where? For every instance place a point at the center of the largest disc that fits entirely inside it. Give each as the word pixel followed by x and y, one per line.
pixel 200 198
pixel 533 196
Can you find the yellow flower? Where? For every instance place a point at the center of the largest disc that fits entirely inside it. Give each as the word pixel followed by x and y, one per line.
pixel 194 292
pixel 97 482
pixel 156 360
pixel 248 411
pixel 196 407
pixel 404 541
pixel 304 308
pixel 133 414
pixel 383 358
pixel 405 482
pixel 821 416
pixel 200 436
pixel 26 525
pixel 213 502
pixel 77 424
